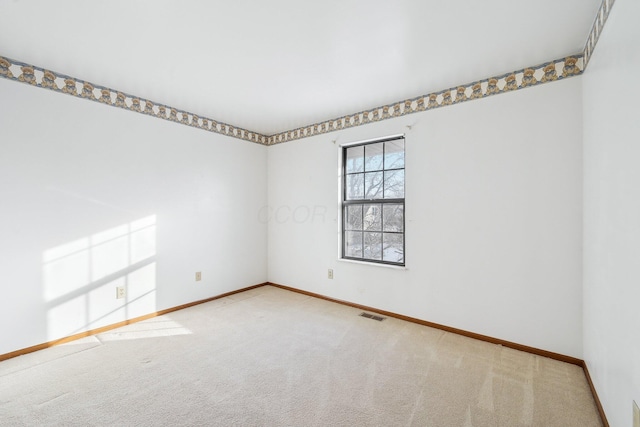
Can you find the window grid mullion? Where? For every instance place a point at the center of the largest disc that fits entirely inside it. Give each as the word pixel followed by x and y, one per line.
pixel 376 170
pixel 384 147
pixel 365 201
pixel 362 232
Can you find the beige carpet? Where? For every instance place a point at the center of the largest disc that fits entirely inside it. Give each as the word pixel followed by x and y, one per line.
pixel 269 357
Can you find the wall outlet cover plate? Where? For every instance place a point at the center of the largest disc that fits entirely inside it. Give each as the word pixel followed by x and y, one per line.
pixel 120 292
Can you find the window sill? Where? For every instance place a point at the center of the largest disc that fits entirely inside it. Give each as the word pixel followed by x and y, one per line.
pixel 374 264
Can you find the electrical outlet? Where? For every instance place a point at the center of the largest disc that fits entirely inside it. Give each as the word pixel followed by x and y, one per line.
pixel 636 415
pixel 198 276
pixel 330 273
pixel 120 292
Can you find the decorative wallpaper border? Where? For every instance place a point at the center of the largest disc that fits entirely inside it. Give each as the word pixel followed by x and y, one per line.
pixel 520 79
pixel 550 71
pixel 40 77
pixel 596 29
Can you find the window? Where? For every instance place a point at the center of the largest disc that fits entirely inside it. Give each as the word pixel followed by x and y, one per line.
pixel 373 201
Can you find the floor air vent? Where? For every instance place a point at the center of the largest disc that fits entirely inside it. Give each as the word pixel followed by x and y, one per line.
pixel 372 316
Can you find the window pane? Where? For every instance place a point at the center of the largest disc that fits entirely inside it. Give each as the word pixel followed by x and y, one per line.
pixel 373 210
pixel 393 247
pixel 394 184
pixel 355 159
pixel 372 218
pixel 393 217
pixel 373 245
pixel 355 186
pixel 353 244
pixel 373 185
pixel 353 219
pixel 373 156
pixel 394 154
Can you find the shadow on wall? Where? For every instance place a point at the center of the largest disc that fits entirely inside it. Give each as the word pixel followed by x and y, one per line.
pixel 80 278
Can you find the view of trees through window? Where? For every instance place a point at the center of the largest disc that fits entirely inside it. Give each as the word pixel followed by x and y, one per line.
pixel 373 201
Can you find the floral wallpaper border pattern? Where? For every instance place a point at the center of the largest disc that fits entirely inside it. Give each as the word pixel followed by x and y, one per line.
pixel 528 77
pixel 47 79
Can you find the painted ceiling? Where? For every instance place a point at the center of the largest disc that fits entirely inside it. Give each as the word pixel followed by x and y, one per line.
pixel 275 65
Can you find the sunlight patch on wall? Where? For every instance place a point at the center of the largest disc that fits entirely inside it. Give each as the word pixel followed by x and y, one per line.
pixel 80 278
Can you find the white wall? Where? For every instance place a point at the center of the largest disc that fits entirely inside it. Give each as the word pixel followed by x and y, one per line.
pixel 612 214
pixel 92 197
pixel 493 210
